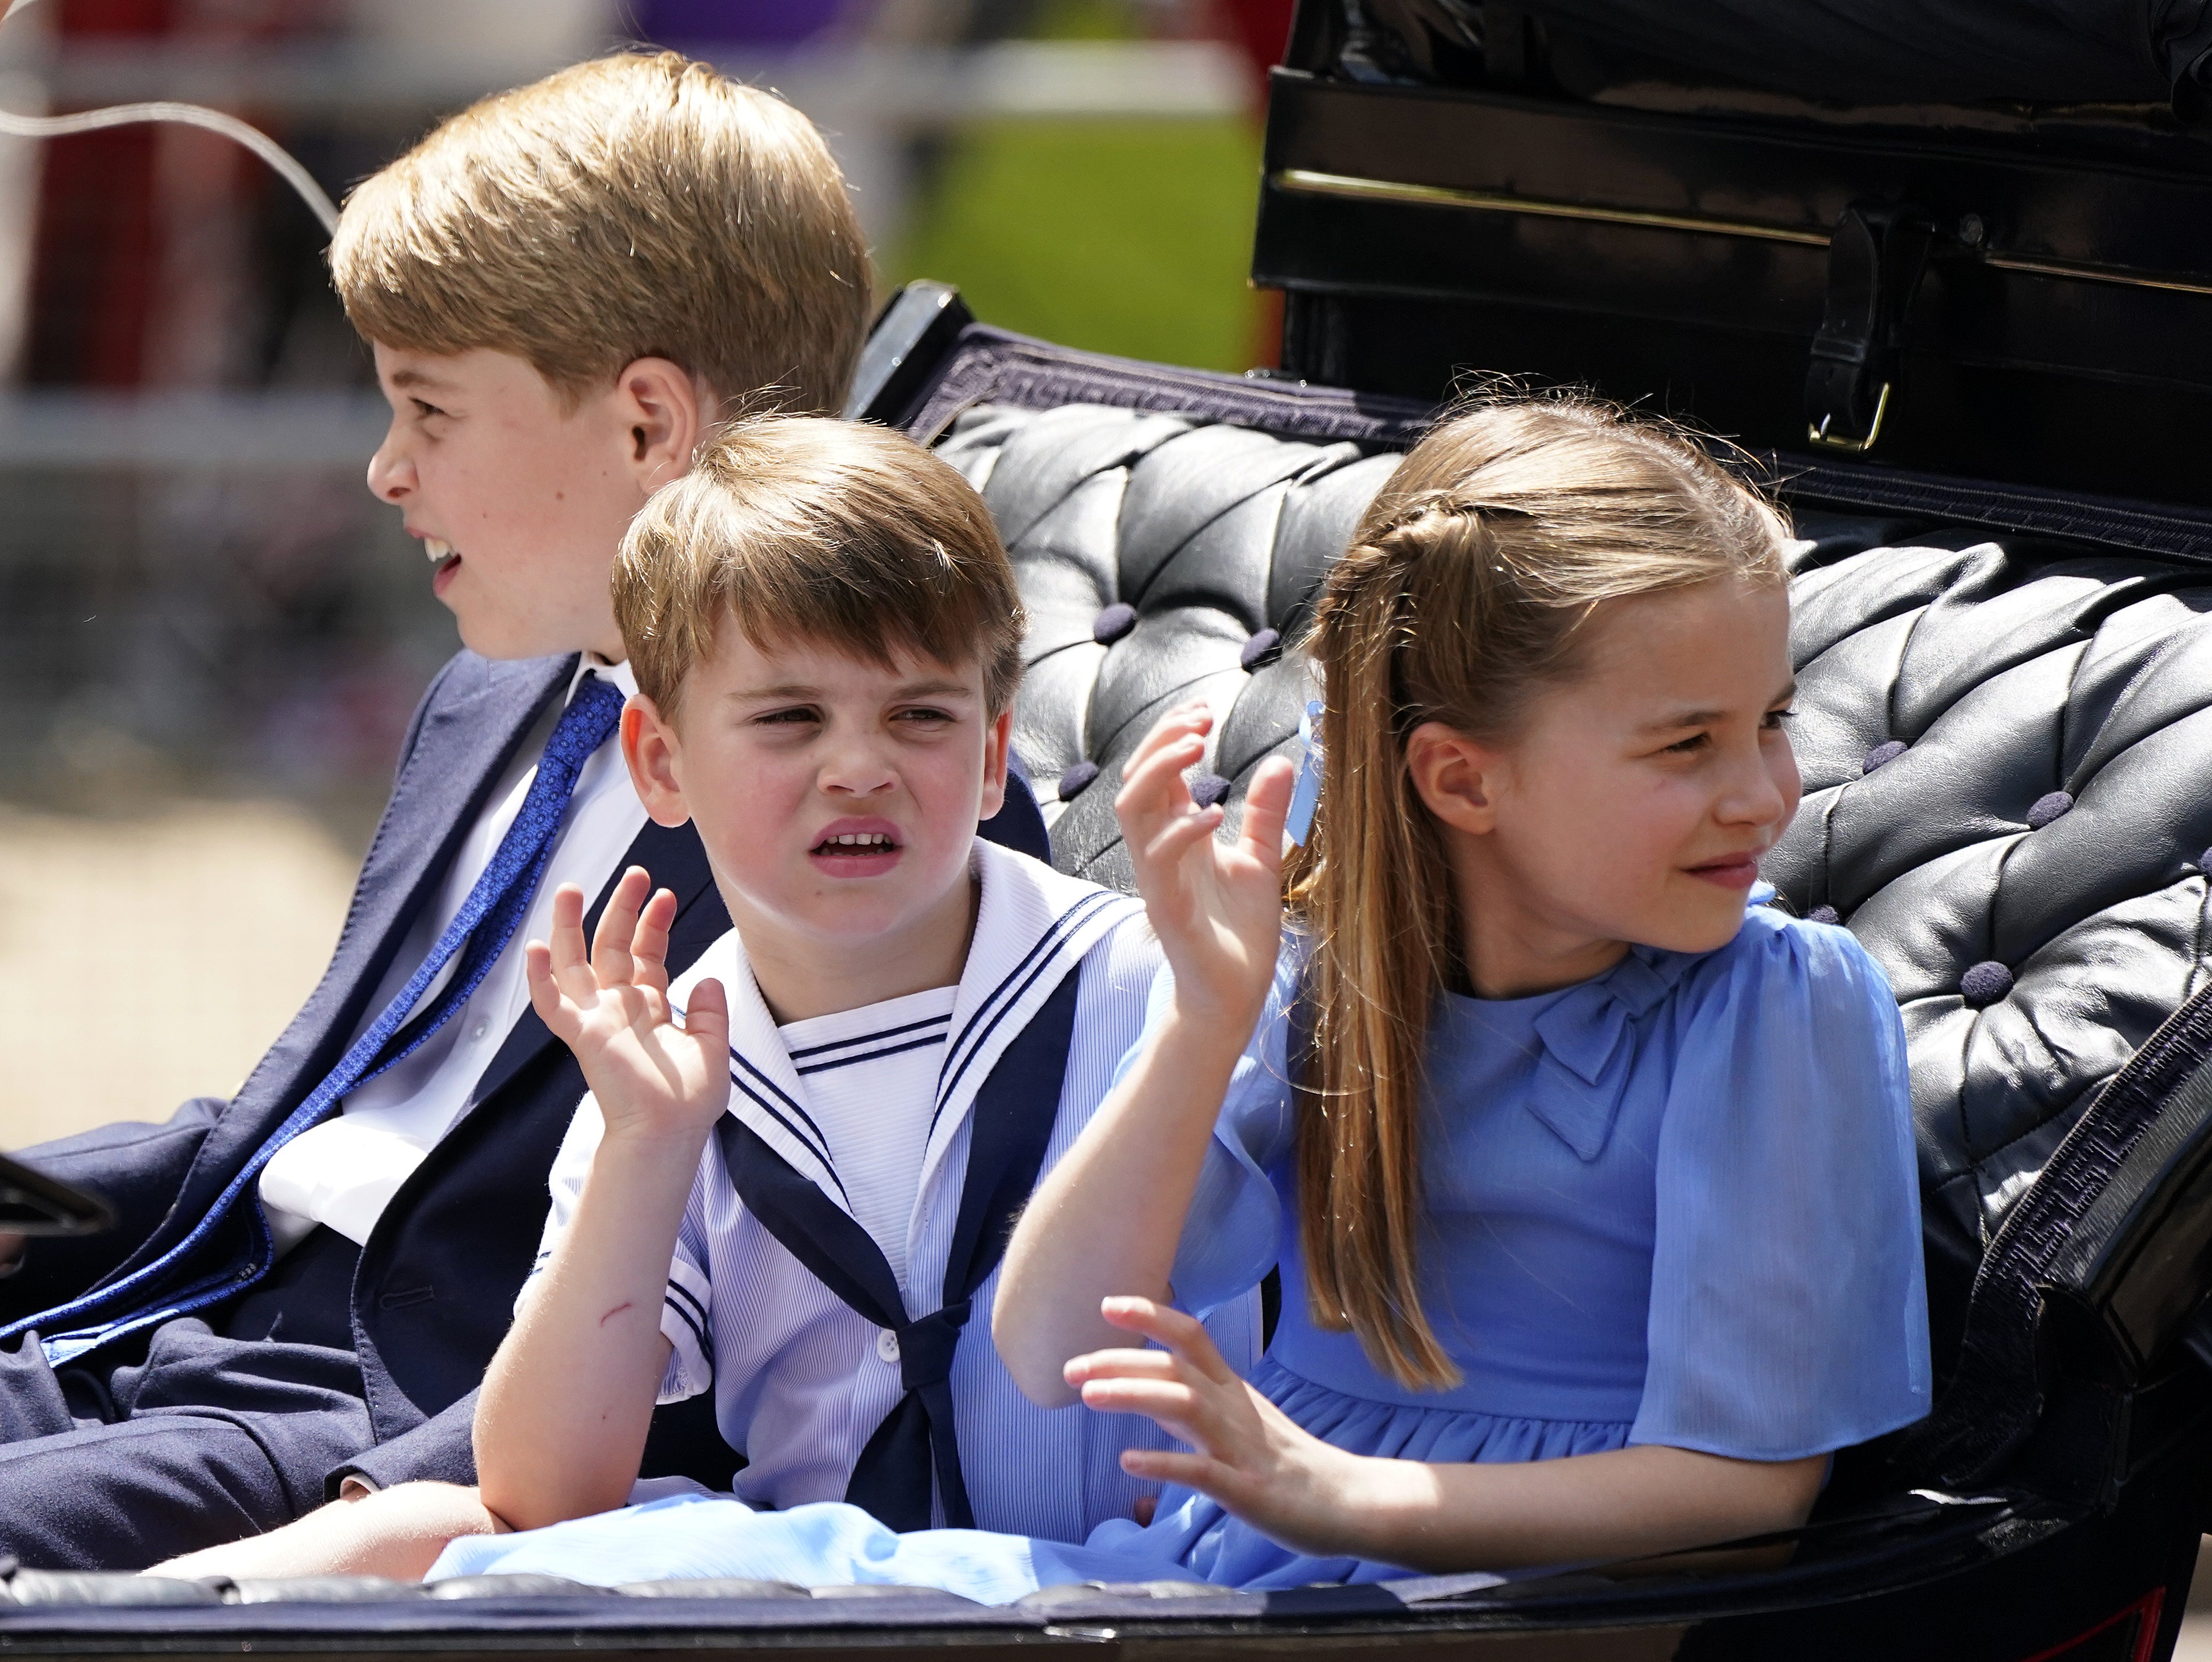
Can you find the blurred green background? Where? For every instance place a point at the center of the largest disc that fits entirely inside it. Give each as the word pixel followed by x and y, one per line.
pixel 1131 238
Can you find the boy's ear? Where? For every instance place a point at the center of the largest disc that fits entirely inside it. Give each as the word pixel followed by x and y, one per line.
pixel 997 745
pixel 649 747
pixel 1456 778
pixel 666 413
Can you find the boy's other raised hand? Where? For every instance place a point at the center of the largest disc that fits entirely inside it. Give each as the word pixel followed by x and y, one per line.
pixel 1217 906
pixel 651 1077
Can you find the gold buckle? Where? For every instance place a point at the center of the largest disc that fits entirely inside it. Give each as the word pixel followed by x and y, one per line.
pixel 1852 447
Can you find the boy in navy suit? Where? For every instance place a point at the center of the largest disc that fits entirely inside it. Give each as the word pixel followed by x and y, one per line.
pixel 564 287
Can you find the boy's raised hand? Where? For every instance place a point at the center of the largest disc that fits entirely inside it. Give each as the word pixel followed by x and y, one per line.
pixel 651 1077
pixel 1216 906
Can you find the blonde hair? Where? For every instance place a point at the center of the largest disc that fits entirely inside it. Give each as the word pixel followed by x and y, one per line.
pixel 1467 591
pixel 800 528
pixel 638 205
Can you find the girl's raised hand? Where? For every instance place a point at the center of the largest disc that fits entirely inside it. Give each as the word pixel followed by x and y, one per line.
pixel 651 1078
pixel 1245 1452
pixel 1216 906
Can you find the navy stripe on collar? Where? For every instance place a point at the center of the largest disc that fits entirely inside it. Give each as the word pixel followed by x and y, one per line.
pixel 944 1020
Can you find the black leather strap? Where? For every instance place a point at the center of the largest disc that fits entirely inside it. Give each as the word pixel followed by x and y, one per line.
pixel 1011 1124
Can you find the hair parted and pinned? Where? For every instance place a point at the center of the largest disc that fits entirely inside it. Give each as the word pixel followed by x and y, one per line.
pixel 1467 590
pixel 801 528
pixel 638 205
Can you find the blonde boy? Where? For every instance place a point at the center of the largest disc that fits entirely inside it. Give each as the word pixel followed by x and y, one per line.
pixel 563 287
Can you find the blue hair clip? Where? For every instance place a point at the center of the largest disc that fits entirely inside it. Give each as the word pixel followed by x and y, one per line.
pixel 1307 795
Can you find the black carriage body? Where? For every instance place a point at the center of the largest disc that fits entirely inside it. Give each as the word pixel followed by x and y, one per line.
pixel 2003 637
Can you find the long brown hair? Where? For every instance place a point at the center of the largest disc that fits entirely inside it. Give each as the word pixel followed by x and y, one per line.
pixel 1464 594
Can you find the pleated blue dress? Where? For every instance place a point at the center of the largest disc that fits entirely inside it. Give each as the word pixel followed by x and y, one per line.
pixel 1675 1204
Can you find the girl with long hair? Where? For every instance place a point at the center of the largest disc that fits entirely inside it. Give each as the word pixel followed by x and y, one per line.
pixel 1589 1177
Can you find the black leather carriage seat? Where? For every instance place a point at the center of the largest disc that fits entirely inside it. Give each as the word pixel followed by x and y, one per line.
pixel 2007 746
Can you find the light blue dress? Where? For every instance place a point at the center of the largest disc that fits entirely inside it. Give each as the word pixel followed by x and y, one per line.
pixel 1675 1204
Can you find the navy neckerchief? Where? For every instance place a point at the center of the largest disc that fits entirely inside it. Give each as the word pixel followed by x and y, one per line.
pixel 1010 1124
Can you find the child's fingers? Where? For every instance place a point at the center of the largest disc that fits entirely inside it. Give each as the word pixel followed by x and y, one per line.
pixel 611 943
pixel 1120 1364
pixel 1267 807
pixel 544 991
pixel 648 945
pixel 569 967
pixel 1178 724
pixel 1184 1335
pixel 706 1019
pixel 1180 835
pixel 1171 1403
pixel 1155 786
pixel 1164 1466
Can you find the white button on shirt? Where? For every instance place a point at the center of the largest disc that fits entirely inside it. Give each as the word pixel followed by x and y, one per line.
pixel 344 1172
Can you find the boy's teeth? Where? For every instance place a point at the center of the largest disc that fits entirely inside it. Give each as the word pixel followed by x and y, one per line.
pixel 437 549
pixel 861 839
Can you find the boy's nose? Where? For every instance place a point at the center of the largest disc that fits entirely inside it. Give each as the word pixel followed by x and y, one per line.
pixel 857 771
pixel 391 476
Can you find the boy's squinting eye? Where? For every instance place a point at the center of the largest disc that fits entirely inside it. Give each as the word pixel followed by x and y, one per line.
pixel 926 717
pixel 424 411
pixel 791 715
pixel 1775 718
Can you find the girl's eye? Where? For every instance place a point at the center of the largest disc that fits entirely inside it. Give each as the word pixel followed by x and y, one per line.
pixel 1775 718
pixel 1689 746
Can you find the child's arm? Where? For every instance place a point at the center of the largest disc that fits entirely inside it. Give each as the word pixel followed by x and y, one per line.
pixel 561 1423
pixel 1108 1217
pixel 398 1531
pixel 1248 1454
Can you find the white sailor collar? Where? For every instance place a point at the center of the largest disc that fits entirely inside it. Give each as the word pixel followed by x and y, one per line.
pixel 1033 927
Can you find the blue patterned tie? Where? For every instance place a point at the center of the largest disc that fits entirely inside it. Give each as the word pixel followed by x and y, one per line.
pixel 484 924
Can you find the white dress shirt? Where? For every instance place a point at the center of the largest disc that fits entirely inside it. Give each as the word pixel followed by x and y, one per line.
pixel 343 1173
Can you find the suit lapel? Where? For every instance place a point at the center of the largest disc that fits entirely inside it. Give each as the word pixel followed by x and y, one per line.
pixel 477 715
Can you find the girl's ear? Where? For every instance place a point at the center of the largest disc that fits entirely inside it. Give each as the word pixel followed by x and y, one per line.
pixel 649 747
pixel 1457 778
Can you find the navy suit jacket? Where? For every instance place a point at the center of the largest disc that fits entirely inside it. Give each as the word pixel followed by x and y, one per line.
pixel 438 1276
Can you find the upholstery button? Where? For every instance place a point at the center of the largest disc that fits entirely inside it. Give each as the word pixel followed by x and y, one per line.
pixel 1208 789
pixel 1881 753
pixel 1076 779
pixel 1985 983
pixel 1823 915
pixel 1262 648
pixel 887 1344
pixel 2048 808
pixel 1111 624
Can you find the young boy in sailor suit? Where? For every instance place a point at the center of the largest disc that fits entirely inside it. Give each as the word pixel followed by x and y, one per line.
pixel 306 1280
pixel 796 1199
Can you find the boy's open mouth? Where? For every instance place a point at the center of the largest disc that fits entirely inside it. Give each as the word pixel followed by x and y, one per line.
pixel 853 844
pixel 440 554
pixel 856 847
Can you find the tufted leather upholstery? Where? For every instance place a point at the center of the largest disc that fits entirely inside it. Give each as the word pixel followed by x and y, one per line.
pixel 2005 746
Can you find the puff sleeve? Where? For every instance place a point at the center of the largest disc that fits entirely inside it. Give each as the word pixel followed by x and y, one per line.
pixel 1789 1310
